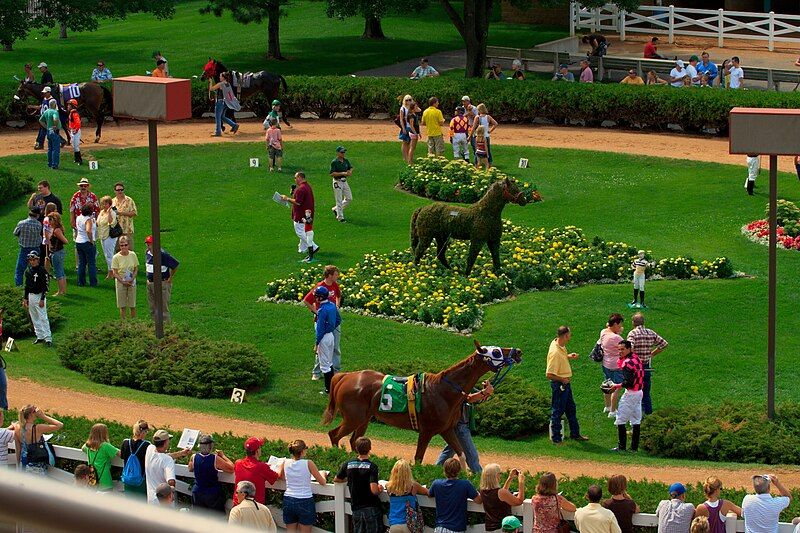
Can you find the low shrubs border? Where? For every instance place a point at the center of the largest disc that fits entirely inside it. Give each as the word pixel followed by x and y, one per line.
pixel 13 185
pixel 16 320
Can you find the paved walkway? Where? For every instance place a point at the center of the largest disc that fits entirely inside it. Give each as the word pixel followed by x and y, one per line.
pixel 440 61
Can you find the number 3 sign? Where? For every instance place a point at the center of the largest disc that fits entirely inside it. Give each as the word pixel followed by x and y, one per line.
pixel 237 396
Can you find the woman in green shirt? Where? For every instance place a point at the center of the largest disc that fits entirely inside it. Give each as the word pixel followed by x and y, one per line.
pixel 99 453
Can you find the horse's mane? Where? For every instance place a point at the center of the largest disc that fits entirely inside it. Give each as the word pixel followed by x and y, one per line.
pixel 468 361
pixel 491 195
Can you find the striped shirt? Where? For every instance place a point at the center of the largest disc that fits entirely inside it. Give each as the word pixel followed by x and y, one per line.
pixel 762 511
pixel 632 372
pixel 29 233
pixel 674 516
pixel 639 266
pixel 644 340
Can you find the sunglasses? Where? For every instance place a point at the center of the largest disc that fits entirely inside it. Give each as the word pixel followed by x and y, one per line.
pixel 83 186
pixel 100 65
pixel 119 190
pixel 121 245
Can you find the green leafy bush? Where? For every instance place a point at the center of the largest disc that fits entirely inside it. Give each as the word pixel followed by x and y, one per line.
pixel 184 363
pixel 16 321
pixel 516 409
pixel 729 432
pixel 13 185
pixel 787 212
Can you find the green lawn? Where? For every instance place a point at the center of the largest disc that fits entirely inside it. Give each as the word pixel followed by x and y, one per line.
pixel 313 43
pixel 230 238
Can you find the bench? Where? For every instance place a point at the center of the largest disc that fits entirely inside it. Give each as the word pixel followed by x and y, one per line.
pixel 525 56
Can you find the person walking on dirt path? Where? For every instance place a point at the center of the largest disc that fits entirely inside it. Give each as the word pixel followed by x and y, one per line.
pixel 224 98
pixel 463 433
pixel 302 201
pixel 41 135
pixel 274 140
pixel 341 169
pixel 330 277
pixel 559 373
pixel 361 476
pixel 75 130
pixel 51 122
pixel 169 267
pixel 646 344
pixel 434 120
pixel 277 115
pixel 35 298
pixel 29 237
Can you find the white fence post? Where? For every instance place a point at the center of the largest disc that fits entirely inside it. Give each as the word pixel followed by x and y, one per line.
pixel 573 9
pixel 771 31
pixel 730 522
pixel 527 516
pixel 339 515
pixel 671 37
pixel 720 27
pixel 621 25
pixel 596 20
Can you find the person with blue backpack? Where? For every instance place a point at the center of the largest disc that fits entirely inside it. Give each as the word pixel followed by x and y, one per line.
pixel 132 453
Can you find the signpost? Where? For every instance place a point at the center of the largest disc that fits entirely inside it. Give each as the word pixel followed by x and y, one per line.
pixel 771 132
pixel 154 100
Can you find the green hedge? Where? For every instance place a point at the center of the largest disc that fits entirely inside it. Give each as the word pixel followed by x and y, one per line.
pixel 13 185
pixel 182 362
pixel 653 107
pixel 16 321
pixel 730 432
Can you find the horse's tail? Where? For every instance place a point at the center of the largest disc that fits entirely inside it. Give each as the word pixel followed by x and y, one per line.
pixel 414 234
pixel 107 105
pixel 330 411
pixel 283 83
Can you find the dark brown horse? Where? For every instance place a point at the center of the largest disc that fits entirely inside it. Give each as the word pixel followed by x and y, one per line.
pixel 479 223
pixel 95 101
pixel 356 395
pixel 261 82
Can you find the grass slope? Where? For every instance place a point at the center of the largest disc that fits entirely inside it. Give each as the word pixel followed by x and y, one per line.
pixel 230 238
pixel 307 39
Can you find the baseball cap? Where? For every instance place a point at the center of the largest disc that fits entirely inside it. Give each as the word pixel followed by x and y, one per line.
pixel 679 63
pixel 321 292
pixel 465 98
pixel 253 443
pixel 33 254
pixel 46 90
pixel 510 523
pixel 563 65
pixel 148 239
pixel 206 439
pixel 42 64
pixel 72 101
pixel 694 58
pixel 341 149
pixel 677 489
pixel 160 62
pixel 161 435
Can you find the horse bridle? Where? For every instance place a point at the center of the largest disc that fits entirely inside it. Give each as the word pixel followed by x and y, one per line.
pixel 496 361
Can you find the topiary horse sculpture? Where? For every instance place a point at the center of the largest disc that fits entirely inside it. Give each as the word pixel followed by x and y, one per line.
pixel 479 223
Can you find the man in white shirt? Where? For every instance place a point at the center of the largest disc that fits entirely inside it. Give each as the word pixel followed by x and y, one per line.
pixel 594 518
pixel 691 70
pixel 677 74
pixel 159 466
pixel 736 73
pixel 761 510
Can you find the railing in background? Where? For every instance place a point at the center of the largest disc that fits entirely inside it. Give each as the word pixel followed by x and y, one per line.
pixel 338 505
pixel 672 21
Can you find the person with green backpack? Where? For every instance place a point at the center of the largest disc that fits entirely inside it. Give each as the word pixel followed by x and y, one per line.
pixel 99 454
pixel 132 454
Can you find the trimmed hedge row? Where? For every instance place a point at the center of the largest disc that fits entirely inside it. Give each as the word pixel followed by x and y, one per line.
pixel 182 362
pixel 13 184
pixel 654 107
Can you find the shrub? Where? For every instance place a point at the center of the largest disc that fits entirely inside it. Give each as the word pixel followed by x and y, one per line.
pixel 787 212
pixel 729 432
pixel 516 409
pixel 456 180
pixel 183 363
pixel 13 185
pixel 16 321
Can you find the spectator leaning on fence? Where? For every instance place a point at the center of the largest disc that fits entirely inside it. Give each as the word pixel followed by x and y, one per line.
pixel 594 518
pixel 299 511
pixel 206 464
pixel 715 508
pixel 253 470
pixel 497 500
pixel 159 466
pixel 675 515
pixel 99 454
pixel 402 490
pixel 137 446
pixel 249 513
pixel 361 476
pixel 761 510
pixel 621 503
pixel 548 505
pixel 452 495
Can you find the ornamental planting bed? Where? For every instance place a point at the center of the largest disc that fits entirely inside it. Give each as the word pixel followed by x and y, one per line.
pixel 391 286
pixel 788 227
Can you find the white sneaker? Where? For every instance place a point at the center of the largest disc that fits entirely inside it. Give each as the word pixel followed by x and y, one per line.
pixel 612 414
pixel 315 377
pixel 606 409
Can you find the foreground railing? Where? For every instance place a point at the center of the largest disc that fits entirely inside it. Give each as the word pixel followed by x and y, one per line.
pixel 32 500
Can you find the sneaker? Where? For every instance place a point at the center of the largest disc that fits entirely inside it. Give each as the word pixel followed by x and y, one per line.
pixel 612 414
pixel 315 377
pixel 234 129
pixel 38 341
pixel 606 409
pixel 306 259
pixel 617 449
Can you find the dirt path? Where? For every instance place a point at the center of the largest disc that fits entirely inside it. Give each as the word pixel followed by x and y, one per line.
pixel 73 403
pixel 678 146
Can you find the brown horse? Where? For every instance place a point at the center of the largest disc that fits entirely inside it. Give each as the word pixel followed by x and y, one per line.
pixel 356 395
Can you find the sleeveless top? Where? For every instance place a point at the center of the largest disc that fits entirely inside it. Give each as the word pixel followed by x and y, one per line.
pixel 404 110
pixel 495 509
pixel 298 478
pixel 80 223
pixel 716 521
pixel 546 514
pixel 483 120
pixel 205 474
pixel 55 244
pixel 397 508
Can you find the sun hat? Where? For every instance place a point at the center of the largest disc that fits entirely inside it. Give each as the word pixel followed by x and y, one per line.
pixel 340 149
pixel 83 181
pixel 511 523
pixel 253 443
pixel 161 435
pixel 679 63
pixel 677 489
pixel 42 64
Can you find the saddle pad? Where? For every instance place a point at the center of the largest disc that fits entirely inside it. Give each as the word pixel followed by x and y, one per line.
pixel 70 91
pixel 394 398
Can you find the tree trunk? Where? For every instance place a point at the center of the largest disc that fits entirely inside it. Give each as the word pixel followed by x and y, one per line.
pixel 62 33
pixel 476 58
pixel 477 14
pixel 273 31
pixel 372 28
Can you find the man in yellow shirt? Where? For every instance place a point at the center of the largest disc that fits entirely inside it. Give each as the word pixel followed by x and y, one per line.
pixel 559 372
pixel 434 120
pixel 632 78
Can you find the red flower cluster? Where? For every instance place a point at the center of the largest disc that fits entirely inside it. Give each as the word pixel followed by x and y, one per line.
pixel 758 231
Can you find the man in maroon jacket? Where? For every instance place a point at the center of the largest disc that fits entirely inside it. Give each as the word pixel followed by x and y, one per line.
pixel 302 201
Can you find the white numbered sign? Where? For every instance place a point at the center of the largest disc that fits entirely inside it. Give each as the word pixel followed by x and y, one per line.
pixel 253 162
pixel 237 396
pixel 9 345
pixel 93 165
pixel 523 163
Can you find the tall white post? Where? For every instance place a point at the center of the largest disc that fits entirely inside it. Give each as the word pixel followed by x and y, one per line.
pixel 621 25
pixel 573 13
pixel 720 27
pixel 771 31
pixel 339 515
pixel 671 38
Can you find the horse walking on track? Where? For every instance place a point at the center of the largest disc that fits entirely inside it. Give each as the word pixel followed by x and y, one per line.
pixel 261 82
pixel 479 223
pixel 357 396
pixel 94 100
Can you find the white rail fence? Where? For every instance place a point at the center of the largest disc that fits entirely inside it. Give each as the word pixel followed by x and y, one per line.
pixel 672 21
pixel 336 498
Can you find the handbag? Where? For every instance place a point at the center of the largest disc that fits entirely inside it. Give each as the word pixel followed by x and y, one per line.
pixel 115 230
pixel 39 452
pixel 597 353
pixel 563 525
pixel 415 522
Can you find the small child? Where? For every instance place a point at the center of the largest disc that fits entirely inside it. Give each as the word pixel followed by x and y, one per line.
pixel 82 476
pixel 753 168
pixel 639 266
pixel 75 129
pixel 274 145
pixel 481 154
pixel 459 126
pixel 511 524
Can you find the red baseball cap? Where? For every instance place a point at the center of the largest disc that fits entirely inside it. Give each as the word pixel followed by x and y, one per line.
pixel 253 443
pixel 148 239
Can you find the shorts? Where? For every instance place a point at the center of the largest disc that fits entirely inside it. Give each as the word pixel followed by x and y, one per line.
pixel 126 296
pixel 368 520
pixel 638 282
pixel 436 144
pixel 405 137
pixel 275 152
pixel 299 511
pixel 480 154
pixel 630 408
pixel 613 375
pixel 413 136
pixel 57 261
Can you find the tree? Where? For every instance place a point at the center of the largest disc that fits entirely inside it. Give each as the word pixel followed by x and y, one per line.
pixel 372 11
pixel 473 24
pixel 13 22
pixel 247 11
pixel 85 15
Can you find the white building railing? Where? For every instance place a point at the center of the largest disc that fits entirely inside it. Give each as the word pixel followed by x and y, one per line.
pixel 671 21
pixel 336 501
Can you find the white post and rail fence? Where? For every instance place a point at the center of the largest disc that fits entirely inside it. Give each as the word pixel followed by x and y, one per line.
pixel 770 28
pixel 51 504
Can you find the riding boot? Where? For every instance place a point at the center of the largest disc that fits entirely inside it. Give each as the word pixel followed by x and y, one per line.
pixel 641 296
pixel 635 437
pixel 635 296
pixel 750 186
pixel 328 378
pixel 622 438
pixel 80 158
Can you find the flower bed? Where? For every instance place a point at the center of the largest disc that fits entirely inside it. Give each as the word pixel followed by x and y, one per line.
pixel 788 217
pixel 389 285
pixel 456 180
